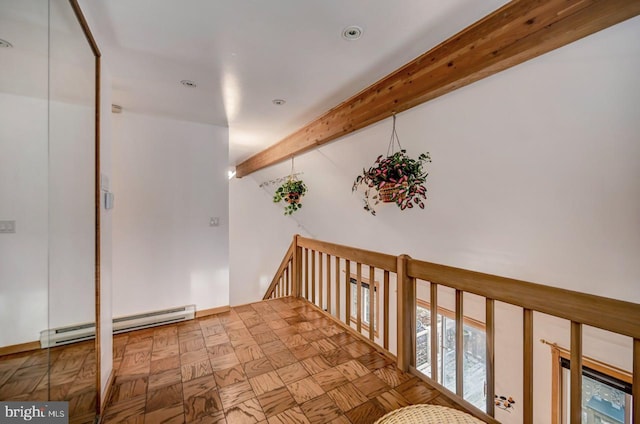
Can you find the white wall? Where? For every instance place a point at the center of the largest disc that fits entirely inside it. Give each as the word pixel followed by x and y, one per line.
pixel 23 198
pixel 169 178
pixel 534 176
pixel 259 236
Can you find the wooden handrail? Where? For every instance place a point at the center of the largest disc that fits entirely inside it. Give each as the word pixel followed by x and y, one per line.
pixel 578 308
pixel 376 259
pixel 613 315
pixel 279 274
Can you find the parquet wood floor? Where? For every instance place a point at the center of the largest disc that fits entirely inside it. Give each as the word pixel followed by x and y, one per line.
pixel 66 373
pixel 277 362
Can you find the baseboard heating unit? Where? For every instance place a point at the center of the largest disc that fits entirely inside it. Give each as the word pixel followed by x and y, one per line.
pixel 87 331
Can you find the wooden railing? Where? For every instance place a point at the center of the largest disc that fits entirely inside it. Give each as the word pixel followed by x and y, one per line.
pixel 323 274
pixel 282 283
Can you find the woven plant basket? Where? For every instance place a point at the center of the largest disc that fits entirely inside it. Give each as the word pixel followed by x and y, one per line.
pixel 386 193
pixel 427 414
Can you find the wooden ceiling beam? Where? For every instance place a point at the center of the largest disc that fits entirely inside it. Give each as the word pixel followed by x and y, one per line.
pixel 515 33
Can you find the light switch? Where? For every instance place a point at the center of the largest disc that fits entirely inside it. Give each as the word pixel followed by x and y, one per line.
pixel 108 200
pixel 104 182
pixel 7 227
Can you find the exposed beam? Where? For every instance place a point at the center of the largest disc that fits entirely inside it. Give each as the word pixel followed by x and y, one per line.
pixel 515 33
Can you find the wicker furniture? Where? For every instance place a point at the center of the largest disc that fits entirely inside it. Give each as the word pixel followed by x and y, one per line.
pixel 427 414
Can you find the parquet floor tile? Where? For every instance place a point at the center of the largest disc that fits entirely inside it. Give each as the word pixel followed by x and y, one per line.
pixel 276 362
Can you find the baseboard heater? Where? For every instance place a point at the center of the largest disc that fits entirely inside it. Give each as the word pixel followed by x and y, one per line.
pixel 81 332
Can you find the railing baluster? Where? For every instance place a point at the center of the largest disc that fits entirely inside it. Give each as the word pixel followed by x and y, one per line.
pixel 459 343
pixel 617 316
pixel 527 378
pixel 347 290
pixel 576 373
pixel 372 305
pixel 359 296
pixel 313 277
pixel 329 283
pixel 337 277
pixel 490 355
pixel 385 313
pixel 306 272
pixel 320 281
pixel 433 317
pixel 635 390
pixel 297 271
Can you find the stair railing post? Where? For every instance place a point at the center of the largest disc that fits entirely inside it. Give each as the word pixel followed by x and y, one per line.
pixel 406 313
pixel 296 267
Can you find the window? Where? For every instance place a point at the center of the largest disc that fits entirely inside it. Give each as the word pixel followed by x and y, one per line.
pixel 474 345
pixel 606 391
pixel 364 286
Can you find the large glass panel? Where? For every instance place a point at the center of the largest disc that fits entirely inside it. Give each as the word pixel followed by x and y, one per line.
pixel 72 210
pixel 23 198
pixel 47 227
pixel 474 344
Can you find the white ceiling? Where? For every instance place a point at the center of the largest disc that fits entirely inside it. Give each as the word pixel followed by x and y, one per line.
pixel 245 53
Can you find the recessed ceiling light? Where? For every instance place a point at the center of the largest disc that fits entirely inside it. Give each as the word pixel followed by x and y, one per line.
pixel 352 32
pixel 5 43
pixel 278 102
pixel 189 83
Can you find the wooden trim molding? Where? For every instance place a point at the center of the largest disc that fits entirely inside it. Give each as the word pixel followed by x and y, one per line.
pixel 109 387
pixel 19 348
pixel 212 311
pixel 595 364
pixel 515 33
pixel 97 193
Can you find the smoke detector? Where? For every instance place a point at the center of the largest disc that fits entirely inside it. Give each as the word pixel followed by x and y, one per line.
pixel 352 32
pixel 5 43
pixel 278 102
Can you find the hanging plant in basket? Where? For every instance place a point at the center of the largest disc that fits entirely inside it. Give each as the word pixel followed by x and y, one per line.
pixel 395 178
pixel 291 191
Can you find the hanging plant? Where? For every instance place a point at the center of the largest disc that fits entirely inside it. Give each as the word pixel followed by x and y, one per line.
pixel 395 178
pixel 291 191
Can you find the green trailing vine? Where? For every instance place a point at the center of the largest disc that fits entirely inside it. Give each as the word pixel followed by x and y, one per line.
pixel 291 192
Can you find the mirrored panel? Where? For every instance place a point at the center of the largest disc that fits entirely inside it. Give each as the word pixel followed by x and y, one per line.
pixel 71 203
pixel 47 207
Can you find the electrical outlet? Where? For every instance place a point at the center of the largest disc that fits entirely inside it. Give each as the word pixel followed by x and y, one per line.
pixel 214 222
pixel 7 227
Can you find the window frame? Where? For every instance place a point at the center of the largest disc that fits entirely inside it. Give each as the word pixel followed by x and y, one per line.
pixel 557 354
pixel 376 300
